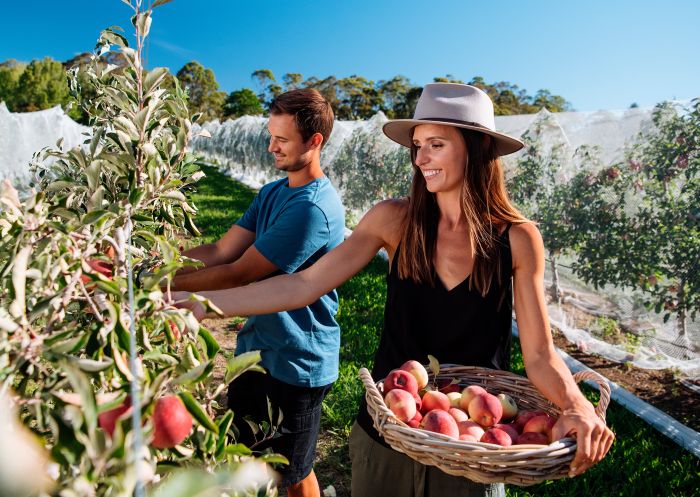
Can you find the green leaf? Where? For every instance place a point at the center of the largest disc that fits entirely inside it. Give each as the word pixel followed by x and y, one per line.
pixel 198 412
pixel 274 458
pixel 433 365
pixel 92 366
pixel 237 450
pixel 237 365
pixel 196 374
pixel 93 216
pixel 210 342
pixel 153 78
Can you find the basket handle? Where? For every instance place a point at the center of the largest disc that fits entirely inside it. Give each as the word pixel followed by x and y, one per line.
pixel 372 392
pixel 603 387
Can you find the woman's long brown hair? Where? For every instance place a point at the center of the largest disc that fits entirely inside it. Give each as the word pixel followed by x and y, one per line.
pixel 485 205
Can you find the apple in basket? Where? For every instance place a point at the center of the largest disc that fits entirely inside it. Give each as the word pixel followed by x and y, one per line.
pixel 523 417
pixel 485 409
pixel 540 424
pixel 471 428
pixel 468 395
pixel 402 380
pixel 435 400
pixel 440 421
pixel 509 429
pixel 418 371
pixel 415 420
pixel 531 438
pixel 455 397
pixel 401 403
pixel 458 414
pixel 497 436
pixel 510 408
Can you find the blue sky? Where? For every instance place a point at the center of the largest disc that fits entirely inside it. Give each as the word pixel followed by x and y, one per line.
pixel 597 54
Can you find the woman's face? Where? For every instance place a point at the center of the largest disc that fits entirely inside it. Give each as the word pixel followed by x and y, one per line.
pixel 441 156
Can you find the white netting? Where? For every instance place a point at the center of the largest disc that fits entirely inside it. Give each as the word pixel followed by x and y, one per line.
pixel 366 167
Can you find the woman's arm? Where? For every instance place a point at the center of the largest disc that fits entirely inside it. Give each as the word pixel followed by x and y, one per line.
pixel 293 291
pixel 544 366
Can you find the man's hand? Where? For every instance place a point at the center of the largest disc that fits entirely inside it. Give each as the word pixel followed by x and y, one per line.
pixel 182 300
pixel 592 436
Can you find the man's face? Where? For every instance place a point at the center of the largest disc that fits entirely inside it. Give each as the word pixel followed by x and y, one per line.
pixel 286 144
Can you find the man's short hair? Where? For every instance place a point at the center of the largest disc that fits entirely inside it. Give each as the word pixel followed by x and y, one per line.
pixel 312 113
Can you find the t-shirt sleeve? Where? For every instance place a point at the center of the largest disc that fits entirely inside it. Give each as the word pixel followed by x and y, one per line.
pixel 249 220
pixel 298 232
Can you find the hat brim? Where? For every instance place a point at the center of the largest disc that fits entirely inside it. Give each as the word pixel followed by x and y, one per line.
pixel 399 130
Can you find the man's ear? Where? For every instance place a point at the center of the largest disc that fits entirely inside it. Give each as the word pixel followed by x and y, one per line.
pixel 316 140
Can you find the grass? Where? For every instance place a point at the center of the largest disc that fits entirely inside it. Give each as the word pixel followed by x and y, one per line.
pixel 642 462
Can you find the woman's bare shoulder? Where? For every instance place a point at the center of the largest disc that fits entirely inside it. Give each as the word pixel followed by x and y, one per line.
pixel 526 244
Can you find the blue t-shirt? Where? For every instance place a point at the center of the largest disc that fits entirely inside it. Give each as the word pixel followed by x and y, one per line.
pixel 294 227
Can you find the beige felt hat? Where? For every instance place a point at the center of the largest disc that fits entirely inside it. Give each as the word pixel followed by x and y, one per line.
pixel 453 104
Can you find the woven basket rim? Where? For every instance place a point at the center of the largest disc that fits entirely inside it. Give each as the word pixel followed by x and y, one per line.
pixel 479 461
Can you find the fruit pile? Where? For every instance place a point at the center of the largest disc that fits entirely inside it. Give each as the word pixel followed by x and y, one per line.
pixel 471 415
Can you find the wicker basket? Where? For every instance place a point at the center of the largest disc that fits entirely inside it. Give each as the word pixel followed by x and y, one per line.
pixel 483 462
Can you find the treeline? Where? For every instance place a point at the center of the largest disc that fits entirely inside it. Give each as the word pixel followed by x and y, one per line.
pixel 41 84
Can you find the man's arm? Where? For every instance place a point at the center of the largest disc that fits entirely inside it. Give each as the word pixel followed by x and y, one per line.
pixel 249 267
pixel 217 256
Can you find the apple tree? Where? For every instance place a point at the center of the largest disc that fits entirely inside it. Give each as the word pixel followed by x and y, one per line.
pixel 642 218
pixel 86 325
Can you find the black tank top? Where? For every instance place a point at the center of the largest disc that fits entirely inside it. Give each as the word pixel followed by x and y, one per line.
pixel 456 326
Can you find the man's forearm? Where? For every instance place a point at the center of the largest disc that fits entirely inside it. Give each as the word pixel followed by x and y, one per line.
pixel 208 278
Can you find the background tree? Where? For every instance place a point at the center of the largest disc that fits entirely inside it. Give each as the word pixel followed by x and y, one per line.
pixel 358 98
pixel 10 72
pixel 42 84
pixel 651 239
pixel 267 85
pixel 292 81
pixel 242 103
pixel 202 89
pixel 538 190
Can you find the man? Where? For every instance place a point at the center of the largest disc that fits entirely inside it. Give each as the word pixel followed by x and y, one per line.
pixel 291 223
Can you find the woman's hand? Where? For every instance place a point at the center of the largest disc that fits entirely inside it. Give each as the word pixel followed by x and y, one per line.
pixel 593 438
pixel 182 300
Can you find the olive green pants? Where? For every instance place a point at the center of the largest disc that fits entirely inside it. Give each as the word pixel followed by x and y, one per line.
pixel 378 471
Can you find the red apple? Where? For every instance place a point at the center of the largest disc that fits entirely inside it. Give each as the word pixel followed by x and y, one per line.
pixel 468 394
pixel 485 409
pixel 523 417
pixel 175 330
pixel 403 380
pixel 471 428
pixel 435 400
pixel 458 414
pixel 108 419
pixel 498 437
pixel 509 429
pixel 415 421
pixel 418 371
pixel 540 424
pixel 171 422
pixel 532 438
pixel 510 408
pixel 401 403
pixel 440 421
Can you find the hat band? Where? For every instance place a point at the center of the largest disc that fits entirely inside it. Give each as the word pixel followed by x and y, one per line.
pixel 454 121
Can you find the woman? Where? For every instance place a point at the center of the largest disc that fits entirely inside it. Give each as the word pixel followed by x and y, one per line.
pixel 460 257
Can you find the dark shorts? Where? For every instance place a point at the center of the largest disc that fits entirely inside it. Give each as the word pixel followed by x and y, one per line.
pixel 298 432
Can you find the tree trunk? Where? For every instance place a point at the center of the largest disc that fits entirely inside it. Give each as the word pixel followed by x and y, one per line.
pixel 682 318
pixel 554 290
